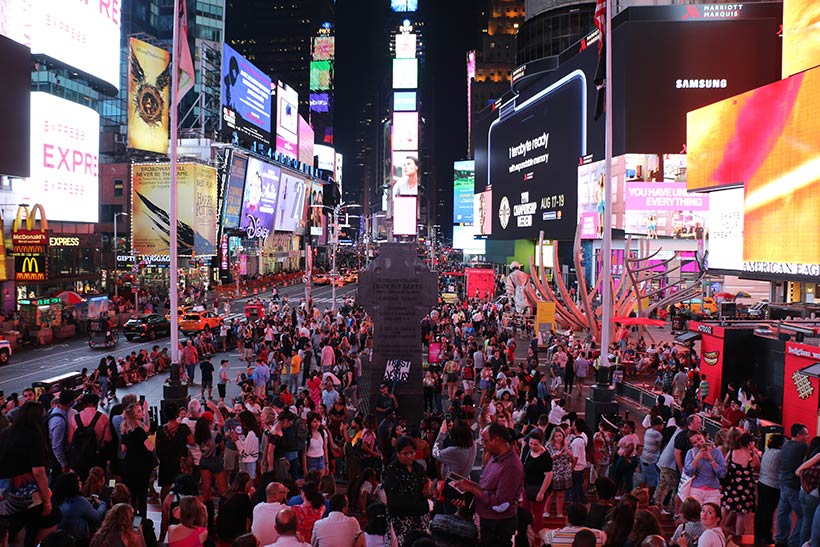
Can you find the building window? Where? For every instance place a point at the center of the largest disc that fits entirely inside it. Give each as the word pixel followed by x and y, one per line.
pixel 118 187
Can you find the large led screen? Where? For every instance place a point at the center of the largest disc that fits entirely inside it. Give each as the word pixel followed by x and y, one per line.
pixel 246 101
pixel 405 46
pixel 463 238
pixel 533 159
pixel 83 35
pixel 404 215
pixel 306 137
pixel 404 5
pixel 316 210
pixel 406 174
pixel 725 221
pixel 291 205
pixel 405 73
pixel 325 157
pixel 149 95
pixel 801 37
pixel 405 130
pixel 319 102
pixel 324 48
pixel 463 188
pixel 234 191
pixel 262 193
pixel 65 147
pixel 320 75
pixel 287 120
pixel 404 101
pixel 482 212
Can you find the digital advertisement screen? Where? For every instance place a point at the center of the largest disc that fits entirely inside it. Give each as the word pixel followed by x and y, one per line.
pixel 148 100
pixel 591 178
pixel 234 191
pixel 406 174
pixel 404 5
pixel 463 191
pixel 339 171
pixel 15 95
pixel 316 212
pixel 405 46
pixel 262 190
pixel 404 215
pixel 324 48
pixel 65 147
pixel 463 239
pixel 405 73
pixel 291 205
pixel 287 120
pixel 83 35
pixel 326 156
pixel 801 44
pixel 725 221
pixel 533 159
pixel 405 130
pixel 320 75
pixel 768 141
pixel 305 142
pixel 246 100
pixel 665 209
pixel 319 102
pixel 482 212
pixel 404 101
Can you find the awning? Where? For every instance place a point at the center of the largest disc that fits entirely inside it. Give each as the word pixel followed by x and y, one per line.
pixel 812 370
pixel 687 337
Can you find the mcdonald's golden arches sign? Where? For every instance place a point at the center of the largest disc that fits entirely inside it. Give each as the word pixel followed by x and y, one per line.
pixel 29 244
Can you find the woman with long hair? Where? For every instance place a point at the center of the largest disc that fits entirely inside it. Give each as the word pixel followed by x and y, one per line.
pixel 184 485
pixel 646 524
pixel 79 517
pixel 247 443
pixel 117 529
pixel 739 486
pixel 620 524
pixel 407 488
pixel 537 478
pixel 376 529
pixel 211 464
pixel 192 530
pixel 315 455
pixel 139 461
pixel 235 508
pixel 562 464
pixel 310 510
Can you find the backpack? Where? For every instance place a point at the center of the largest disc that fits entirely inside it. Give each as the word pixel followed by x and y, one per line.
pixel 84 445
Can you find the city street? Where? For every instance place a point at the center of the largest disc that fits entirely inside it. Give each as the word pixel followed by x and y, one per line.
pixel 32 365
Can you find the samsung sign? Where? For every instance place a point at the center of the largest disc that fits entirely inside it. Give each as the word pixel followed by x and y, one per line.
pixel 702 83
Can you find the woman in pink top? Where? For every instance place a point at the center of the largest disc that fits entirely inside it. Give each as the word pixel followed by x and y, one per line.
pixel 192 531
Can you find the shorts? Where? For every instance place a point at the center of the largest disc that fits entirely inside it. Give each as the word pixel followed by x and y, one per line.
pixel 231 459
pixel 452 378
pixel 316 463
pixel 469 385
pixel 207 383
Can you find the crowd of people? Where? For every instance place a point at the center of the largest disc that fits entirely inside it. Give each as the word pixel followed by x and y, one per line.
pixel 303 456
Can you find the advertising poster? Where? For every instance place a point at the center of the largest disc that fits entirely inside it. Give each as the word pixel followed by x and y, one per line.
pixel 434 352
pixel 801 45
pixel 665 209
pixel 405 73
pixel 291 204
pixel 262 187
pixel 234 191
pixel 246 100
pixel 405 174
pixel 482 212
pixel 405 46
pixel 591 197
pixel 725 221
pixel 320 75
pixel 305 142
pixel 324 48
pixel 464 239
pixel 316 212
pixel 544 320
pixel 404 5
pixel 800 392
pixel 404 215
pixel 326 157
pixel 149 94
pixel 405 131
pixel 287 121
pixel 711 349
pixel 150 221
pixel 404 101
pixel 463 188
pixel 480 283
pixel 339 171
pixel 64 148
pixel 204 221
pixel 319 102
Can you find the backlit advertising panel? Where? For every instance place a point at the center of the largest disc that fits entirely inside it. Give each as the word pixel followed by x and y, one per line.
pixel 404 101
pixel 290 208
pixel 262 191
pixel 319 102
pixel 767 140
pixel 83 35
pixel 325 157
pixel 320 75
pixel 406 174
pixel 305 142
pixel 405 130
pixel 725 222
pixel 482 212
pixel 405 73
pixel 64 148
pixel 339 171
pixel 149 94
pixel 463 188
pixel 404 215
pixel 316 212
pixel 234 191
pixel 533 158
pixel 324 48
pixel 801 43
pixel 463 239
pixel 405 46
pixel 404 5
pixel 287 120
pixel 246 100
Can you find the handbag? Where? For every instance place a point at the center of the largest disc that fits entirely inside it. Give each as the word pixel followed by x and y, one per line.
pixel 685 486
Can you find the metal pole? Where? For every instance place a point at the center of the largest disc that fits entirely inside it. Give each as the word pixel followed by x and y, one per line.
pixel 116 246
pixel 173 115
pixel 606 274
pixel 335 243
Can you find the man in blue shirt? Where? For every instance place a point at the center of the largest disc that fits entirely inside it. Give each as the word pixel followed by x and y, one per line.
pixel 791 456
pixel 58 431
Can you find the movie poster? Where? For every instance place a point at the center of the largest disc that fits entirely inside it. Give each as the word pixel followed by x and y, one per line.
pixel 149 94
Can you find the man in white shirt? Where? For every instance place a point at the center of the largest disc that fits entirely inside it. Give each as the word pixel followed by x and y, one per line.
pixel 578 446
pixel 286 528
pixel 264 514
pixel 337 529
pixel 557 412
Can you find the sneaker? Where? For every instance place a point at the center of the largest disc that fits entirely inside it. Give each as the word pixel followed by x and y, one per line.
pixel 546 515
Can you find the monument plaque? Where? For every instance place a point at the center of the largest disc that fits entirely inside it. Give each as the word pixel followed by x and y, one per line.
pixel 397 290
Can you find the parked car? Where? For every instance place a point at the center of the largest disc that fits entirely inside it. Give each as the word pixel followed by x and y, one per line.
pixel 194 322
pixel 146 326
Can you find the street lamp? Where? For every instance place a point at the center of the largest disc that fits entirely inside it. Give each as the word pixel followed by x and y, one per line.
pixel 116 246
pixel 335 244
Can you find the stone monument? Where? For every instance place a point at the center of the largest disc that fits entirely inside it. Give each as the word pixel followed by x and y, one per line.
pixel 397 291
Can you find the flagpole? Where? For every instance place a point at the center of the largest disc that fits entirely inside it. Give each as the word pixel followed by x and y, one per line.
pixel 173 115
pixel 606 248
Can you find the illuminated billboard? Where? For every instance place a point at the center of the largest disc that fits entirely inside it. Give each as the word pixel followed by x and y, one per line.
pixel 801 44
pixel 404 215
pixel 246 100
pixel 404 101
pixel 324 48
pixel 482 213
pixel 405 130
pixel 234 191
pixel 305 142
pixel 463 238
pixel 290 208
pixel 320 75
pixel 64 148
pixel 316 212
pixel 405 74
pixel 83 35
pixel 319 102
pixel 768 141
pixel 149 94
pixel 405 46
pixel 287 120
pixel 404 5
pixel 326 157
pixel 463 188
pixel 725 221
pixel 406 174
pixel 337 169
pixel 262 189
